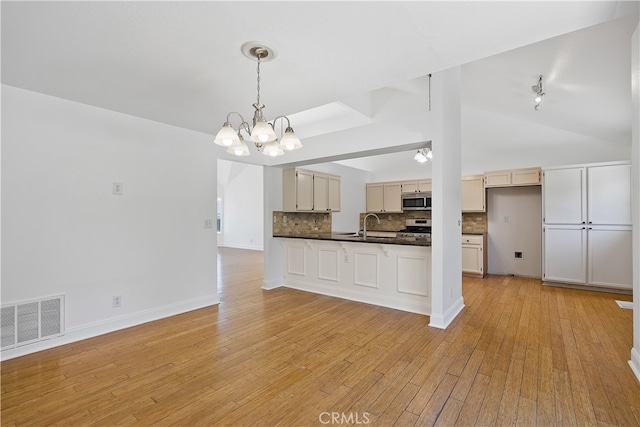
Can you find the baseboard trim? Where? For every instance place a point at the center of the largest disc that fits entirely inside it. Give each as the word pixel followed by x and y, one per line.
pixel 588 288
pixel 444 320
pixel 271 284
pixel 634 363
pixel 353 295
pixel 111 325
pixel 233 246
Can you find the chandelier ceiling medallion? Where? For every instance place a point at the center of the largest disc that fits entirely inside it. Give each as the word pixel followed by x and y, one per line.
pixel 261 132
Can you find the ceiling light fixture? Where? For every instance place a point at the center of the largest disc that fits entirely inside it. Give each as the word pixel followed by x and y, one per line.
pixel 423 155
pixel 262 133
pixel 537 88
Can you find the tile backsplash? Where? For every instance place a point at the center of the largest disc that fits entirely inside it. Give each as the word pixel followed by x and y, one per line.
pixel 474 222
pixel 392 221
pixel 294 223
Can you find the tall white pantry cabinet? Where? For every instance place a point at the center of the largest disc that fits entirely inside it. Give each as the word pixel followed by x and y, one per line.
pixel 587 225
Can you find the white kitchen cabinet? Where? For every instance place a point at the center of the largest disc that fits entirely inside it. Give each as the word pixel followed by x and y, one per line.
pixel 564 196
pixel 587 225
pixel 416 186
pixel 309 191
pixel 333 198
pixel 513 177
pixel 384 197
pixel 610 262
pixel 609 194
pixel 565 253
pixel 474 259
pixel 473 194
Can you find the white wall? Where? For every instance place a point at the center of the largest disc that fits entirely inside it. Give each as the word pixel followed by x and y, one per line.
pixel 63 232
pixel 353 194
pixel 514 222
pixel 242 203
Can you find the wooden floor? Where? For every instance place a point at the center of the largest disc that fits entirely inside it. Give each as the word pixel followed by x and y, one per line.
pixel 519 353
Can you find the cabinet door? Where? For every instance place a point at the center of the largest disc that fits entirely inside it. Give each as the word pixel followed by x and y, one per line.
pixel 375 201
pixel 424 185
pixel 304 191
pixel 471 259
pixel 563 196
pixel 526 176
pixel 410 186
pixel 609 194
pixel 610 256
pixel 473 194
pixel 392 197
pixel 498 179
pixel 565 253
pixel 334 193
pixel 320 192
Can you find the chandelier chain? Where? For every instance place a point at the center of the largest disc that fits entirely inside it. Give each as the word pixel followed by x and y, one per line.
pixel 258 80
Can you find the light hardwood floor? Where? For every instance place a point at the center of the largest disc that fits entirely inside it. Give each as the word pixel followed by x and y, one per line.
pixel 519 353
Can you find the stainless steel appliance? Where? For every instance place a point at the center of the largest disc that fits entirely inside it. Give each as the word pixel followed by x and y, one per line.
pixel 419 228
pixel 416 201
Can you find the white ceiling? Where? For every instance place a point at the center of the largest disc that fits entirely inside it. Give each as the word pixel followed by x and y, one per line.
pixel 180 62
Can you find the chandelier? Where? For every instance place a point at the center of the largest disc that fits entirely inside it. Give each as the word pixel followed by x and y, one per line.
pixel 261 132
pixel 537 88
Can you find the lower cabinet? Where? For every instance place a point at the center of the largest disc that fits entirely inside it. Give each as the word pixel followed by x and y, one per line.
pixel 474 259
pixel 597 256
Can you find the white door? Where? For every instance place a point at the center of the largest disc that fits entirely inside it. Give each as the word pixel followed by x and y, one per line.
pixel 473 194
pixel 565 253
pixel 392 197
pixel 610 256
pixel 472 259
pixel 320 188
pixel 563 196
pixel 304 191
pixel 334 193
pixel 609 194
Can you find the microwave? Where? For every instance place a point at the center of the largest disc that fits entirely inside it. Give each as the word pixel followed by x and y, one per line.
pixel 416 201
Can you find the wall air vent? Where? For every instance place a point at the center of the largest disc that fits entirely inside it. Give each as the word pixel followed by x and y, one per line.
pixel 32 321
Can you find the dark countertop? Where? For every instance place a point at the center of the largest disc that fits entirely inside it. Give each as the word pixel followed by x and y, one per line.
pixel 351 237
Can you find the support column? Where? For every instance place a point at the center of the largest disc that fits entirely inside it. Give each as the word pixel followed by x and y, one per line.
pixel 635 185
pixel 446 278
pixel 272 183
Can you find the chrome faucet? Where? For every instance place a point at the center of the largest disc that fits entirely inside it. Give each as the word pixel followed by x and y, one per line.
pixel 364 224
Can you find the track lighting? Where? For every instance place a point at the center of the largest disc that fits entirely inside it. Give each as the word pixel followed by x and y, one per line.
pixel 423 155
pixel 537 88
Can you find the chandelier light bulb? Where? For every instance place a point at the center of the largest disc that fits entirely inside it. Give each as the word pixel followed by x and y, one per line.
pixel 263 132
pixel 226 136
pixel 289 140
pixel 429 155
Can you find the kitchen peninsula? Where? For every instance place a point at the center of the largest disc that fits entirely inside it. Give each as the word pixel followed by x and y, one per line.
pixel 384 270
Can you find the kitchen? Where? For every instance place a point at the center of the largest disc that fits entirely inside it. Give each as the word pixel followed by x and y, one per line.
pixel 494 138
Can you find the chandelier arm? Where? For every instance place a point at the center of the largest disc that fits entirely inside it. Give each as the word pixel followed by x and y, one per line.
pixel 239 115
pixel 282 117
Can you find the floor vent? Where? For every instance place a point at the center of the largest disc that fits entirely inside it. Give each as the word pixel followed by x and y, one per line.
pixel 32 321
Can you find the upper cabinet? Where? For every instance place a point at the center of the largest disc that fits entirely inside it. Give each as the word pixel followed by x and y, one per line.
pixel 416 186
pixel 609 194
pixel 384 197
pixel 588 195
pixel 513 177
pixel 309 191
pixel 473 194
